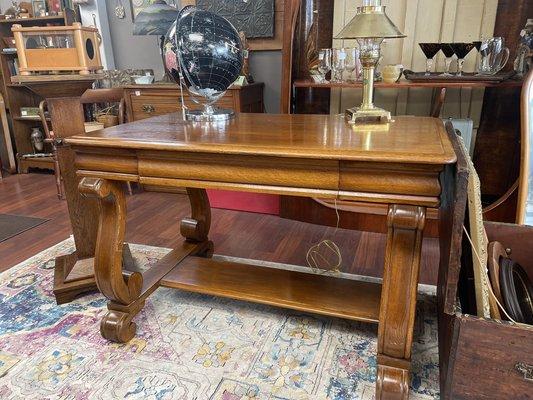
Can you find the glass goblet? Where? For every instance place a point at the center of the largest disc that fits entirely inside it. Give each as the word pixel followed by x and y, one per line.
pixel 352 64
pixel 461 51
pixel 430 51
pixel 448 51
pixel 338 64
pixel 324 63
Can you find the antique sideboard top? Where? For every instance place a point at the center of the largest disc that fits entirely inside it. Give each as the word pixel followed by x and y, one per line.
pixel 417 140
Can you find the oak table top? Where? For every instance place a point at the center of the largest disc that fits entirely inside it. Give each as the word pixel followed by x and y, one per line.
pixel 407 140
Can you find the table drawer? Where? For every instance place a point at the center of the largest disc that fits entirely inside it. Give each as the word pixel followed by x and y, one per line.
pixel 146 106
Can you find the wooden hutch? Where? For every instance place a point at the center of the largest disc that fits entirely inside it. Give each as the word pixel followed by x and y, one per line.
pixel 17 96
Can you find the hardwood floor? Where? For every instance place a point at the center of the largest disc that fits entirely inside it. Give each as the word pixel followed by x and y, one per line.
pixel 153 219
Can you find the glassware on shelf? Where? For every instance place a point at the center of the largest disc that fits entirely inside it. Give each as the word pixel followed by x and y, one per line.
pixel 352 64
pixel 461 51
pixel 338 64
pixel 430 51
pixel 494 56
pixel 448 51
pixel 324 63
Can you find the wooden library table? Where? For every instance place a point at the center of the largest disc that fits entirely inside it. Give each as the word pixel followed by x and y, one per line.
pixel 400 164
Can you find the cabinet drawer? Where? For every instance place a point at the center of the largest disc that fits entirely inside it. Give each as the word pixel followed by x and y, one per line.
pixel 146 106
pixel 490 360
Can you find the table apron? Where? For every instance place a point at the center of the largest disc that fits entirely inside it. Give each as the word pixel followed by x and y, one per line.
pixel 391 183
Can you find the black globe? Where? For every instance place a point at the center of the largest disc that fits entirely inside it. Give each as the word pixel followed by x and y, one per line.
pixel 210 52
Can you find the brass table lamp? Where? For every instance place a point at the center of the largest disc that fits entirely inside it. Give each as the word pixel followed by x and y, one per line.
pixel 369 26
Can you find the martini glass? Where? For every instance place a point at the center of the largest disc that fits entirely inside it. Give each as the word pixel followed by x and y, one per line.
pixel 461 51
pixel 430 51
pixel 448 51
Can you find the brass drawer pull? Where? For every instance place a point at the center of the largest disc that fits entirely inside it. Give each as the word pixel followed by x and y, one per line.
pixel 148 108
pixel 525 369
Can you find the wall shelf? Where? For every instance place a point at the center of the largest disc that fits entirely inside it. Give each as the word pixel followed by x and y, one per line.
pixel 36 20
pixel 404 84
pixel 30 119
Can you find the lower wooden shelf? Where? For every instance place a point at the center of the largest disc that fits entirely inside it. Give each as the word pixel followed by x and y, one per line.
pixel 40 162
pixel 324 295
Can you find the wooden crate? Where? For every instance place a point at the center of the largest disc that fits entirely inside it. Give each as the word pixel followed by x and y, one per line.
pixel 480 359
pixel 58 49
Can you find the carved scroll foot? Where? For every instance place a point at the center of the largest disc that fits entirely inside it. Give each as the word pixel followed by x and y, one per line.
pixel 392 381
pixel 117 325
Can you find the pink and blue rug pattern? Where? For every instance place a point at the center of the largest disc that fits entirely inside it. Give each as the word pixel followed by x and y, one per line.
pixel 189 347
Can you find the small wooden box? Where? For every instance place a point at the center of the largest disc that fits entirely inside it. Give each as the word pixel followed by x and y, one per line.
pixel 58 49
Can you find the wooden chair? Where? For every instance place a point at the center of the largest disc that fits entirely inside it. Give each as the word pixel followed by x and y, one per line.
pixel 91 96
pixel 526 168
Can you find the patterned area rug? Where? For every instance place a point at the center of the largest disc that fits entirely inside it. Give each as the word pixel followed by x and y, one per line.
pixel 188 346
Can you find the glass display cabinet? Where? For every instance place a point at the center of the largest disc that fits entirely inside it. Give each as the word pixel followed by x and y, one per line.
pixel 57 49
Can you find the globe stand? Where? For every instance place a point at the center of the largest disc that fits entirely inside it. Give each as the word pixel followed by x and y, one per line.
pixel 209 114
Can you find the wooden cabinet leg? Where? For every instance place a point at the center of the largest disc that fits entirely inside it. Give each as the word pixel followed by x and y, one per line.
pixel 196 228
pixel 398 300
pixel 122 288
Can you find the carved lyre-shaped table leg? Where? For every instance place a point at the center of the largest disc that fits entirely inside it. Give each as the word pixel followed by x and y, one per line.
pixel 196 228
pixel 398 301
pixel 123 289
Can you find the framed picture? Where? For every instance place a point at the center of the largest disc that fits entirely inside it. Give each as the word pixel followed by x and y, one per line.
pixel 138 5
pixel 39 8
pixel 255 18
pixel 263 24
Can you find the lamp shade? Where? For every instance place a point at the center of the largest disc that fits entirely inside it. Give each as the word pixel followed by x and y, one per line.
pixel 370 22
pixel 155 19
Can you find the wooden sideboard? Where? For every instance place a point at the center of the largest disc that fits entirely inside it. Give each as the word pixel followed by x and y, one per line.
pixel 145 101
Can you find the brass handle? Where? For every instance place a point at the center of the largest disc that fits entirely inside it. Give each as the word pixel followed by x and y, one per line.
pixel 526 370
pixel 148 108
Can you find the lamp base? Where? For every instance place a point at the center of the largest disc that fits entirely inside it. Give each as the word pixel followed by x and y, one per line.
pixel 216 116
pixel 361 115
